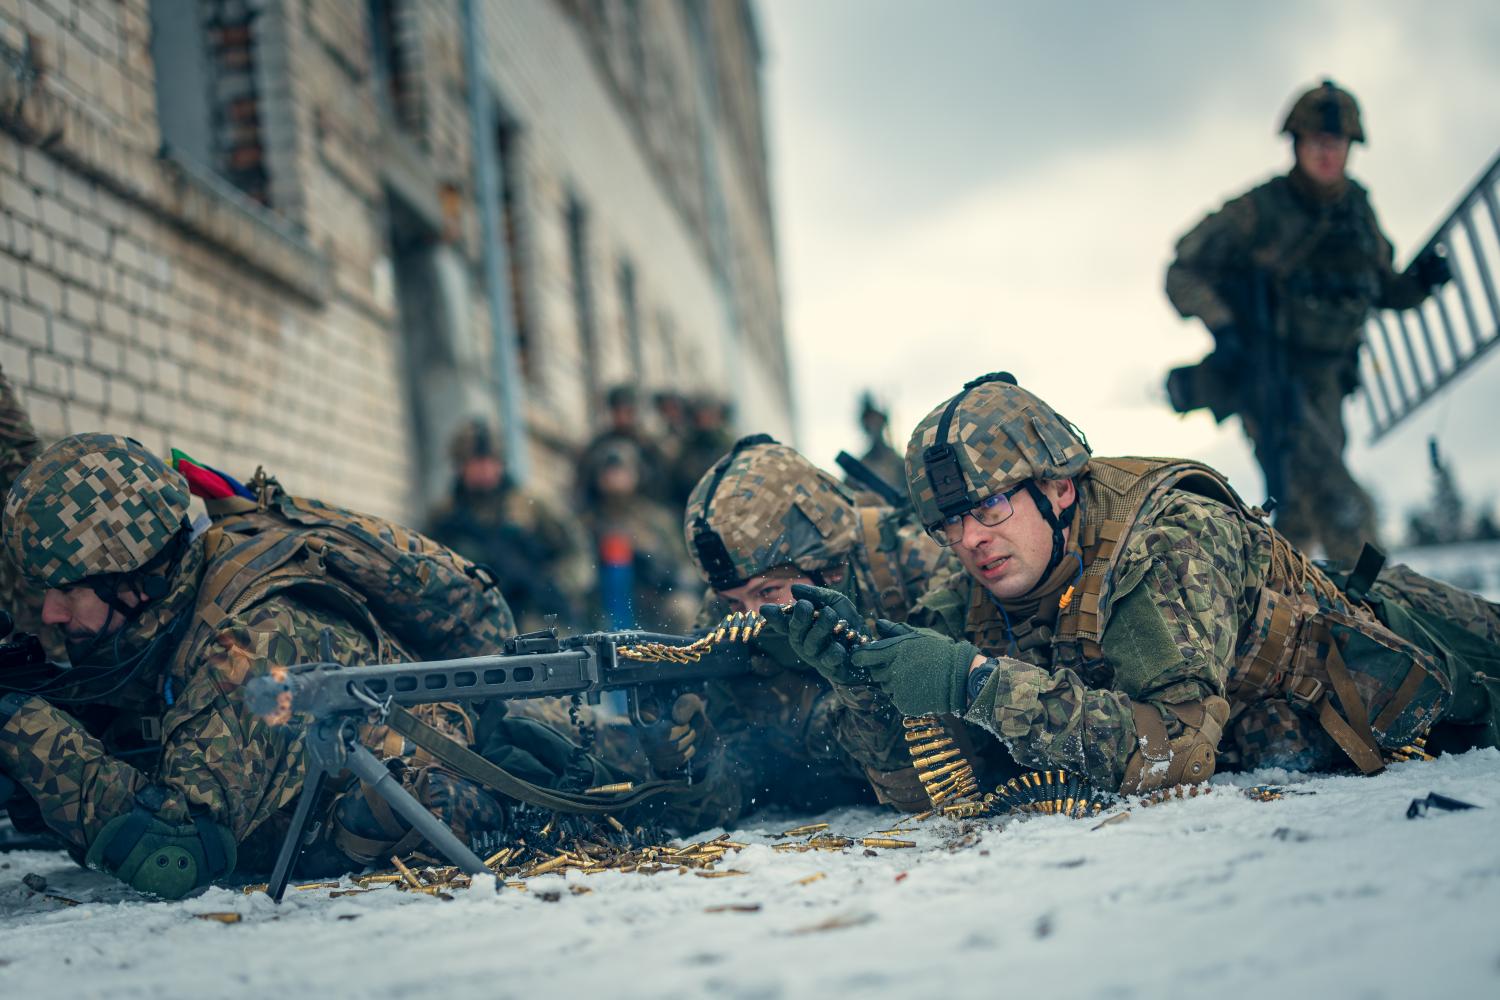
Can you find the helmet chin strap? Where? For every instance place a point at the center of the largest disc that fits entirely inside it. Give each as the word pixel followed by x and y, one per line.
pixel 1058 522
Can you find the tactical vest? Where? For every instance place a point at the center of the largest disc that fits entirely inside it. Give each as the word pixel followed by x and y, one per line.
pixel 1326 265
pixel 1343 671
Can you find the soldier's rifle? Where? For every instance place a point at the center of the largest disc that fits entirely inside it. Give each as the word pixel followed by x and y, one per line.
pixel 872 481
pixel 335 700
pixel 1268 395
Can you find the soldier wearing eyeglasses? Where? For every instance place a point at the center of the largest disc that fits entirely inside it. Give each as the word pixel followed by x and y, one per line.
pixel 1134 620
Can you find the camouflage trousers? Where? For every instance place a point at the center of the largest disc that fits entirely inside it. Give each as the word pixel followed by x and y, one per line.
pixel 1324 505
pixel 1463 630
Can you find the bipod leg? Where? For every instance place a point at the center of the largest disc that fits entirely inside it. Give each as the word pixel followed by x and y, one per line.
pixel 291 846
pixel 375 774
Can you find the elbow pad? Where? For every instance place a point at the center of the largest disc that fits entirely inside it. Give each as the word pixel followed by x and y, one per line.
pixel 1161 761
pixel 165 859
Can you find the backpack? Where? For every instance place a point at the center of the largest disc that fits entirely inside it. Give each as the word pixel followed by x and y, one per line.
pixel 433 601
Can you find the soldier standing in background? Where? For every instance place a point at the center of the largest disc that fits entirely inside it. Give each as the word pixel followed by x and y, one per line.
pixel 643 579
pixel 879 457
pixel 536 556
pixel 624 425
pixel 1284 278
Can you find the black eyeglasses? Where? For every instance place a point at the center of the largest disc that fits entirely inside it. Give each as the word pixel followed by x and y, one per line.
pixel 992 510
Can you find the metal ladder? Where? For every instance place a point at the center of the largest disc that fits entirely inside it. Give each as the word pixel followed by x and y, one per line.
pixel 1411 355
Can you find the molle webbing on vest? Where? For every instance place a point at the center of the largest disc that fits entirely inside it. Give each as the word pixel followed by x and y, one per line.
pixel 884 568
pixel 1122 493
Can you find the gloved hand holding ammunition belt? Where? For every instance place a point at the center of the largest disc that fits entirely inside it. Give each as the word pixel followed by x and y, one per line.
pixel 819 628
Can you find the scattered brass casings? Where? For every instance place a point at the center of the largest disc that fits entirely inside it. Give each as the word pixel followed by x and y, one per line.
pixel 615 824
pixel 886 842
pixel 304 887
pixel 406 873
pixel 501 856
pixel 550 866
pixel 257 887
pixel 800 831
pixel 381 879
pixel 221 918
pixel 348 892
pixel 726 873
pixel 809 880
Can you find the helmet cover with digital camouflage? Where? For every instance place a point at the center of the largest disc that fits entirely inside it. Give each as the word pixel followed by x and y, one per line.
pixel 762 506
pixel 1326 108
pixel 93 505
pixel 992 436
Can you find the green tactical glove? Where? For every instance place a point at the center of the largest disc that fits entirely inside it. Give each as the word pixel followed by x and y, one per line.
pixel 924 673
pixel 809 629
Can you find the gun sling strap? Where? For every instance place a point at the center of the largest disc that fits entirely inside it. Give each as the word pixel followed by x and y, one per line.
pixel 468 764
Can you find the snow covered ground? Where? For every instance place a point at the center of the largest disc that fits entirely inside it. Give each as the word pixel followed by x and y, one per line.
pixel 1330 894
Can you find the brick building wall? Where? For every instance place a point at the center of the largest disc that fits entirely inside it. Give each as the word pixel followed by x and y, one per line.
pixel 304 289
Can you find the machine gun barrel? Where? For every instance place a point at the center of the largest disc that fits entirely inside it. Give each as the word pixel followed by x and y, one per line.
pixel 534 665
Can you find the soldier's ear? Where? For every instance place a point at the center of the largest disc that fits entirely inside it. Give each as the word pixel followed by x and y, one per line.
pixel 1061 492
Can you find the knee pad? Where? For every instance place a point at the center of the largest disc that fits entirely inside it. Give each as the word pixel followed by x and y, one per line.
pixel 160 857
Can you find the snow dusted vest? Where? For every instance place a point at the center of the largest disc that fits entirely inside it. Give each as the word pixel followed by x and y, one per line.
pixel 1304 642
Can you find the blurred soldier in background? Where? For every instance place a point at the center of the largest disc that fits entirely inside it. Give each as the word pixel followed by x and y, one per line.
pixel 643 579
pixel 1284 278
pixel 536 555
pixel 879 457
pixel 761 521
pixel 624 425
pixel 709 437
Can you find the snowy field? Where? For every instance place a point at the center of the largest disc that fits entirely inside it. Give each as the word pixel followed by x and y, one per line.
pixel 1329 894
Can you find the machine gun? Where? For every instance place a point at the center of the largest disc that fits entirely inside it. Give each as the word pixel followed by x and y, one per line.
pixel 646 665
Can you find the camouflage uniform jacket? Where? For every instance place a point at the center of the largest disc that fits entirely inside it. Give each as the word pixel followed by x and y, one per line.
pixel 1185 587
pixel 791 738
pixel 1329 261
pixel 202 745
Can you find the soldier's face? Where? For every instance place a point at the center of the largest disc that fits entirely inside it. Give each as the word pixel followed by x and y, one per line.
pixel 82 616
pixel 1323 156
pixel 1009 558
pixel 482 473
pixel 768 588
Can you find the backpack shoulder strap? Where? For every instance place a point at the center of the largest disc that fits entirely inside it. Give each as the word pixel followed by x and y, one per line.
pixel 889 593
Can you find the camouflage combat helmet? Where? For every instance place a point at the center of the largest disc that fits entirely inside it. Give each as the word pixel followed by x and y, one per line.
pixel 93 505
pixel 761 506
pixel 474 438
pixel 989 438
pixel 1325 108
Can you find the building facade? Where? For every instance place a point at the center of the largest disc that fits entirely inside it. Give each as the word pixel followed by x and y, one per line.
pixel 317 234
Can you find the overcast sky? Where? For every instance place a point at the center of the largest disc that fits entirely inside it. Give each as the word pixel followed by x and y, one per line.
pixel 967 186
